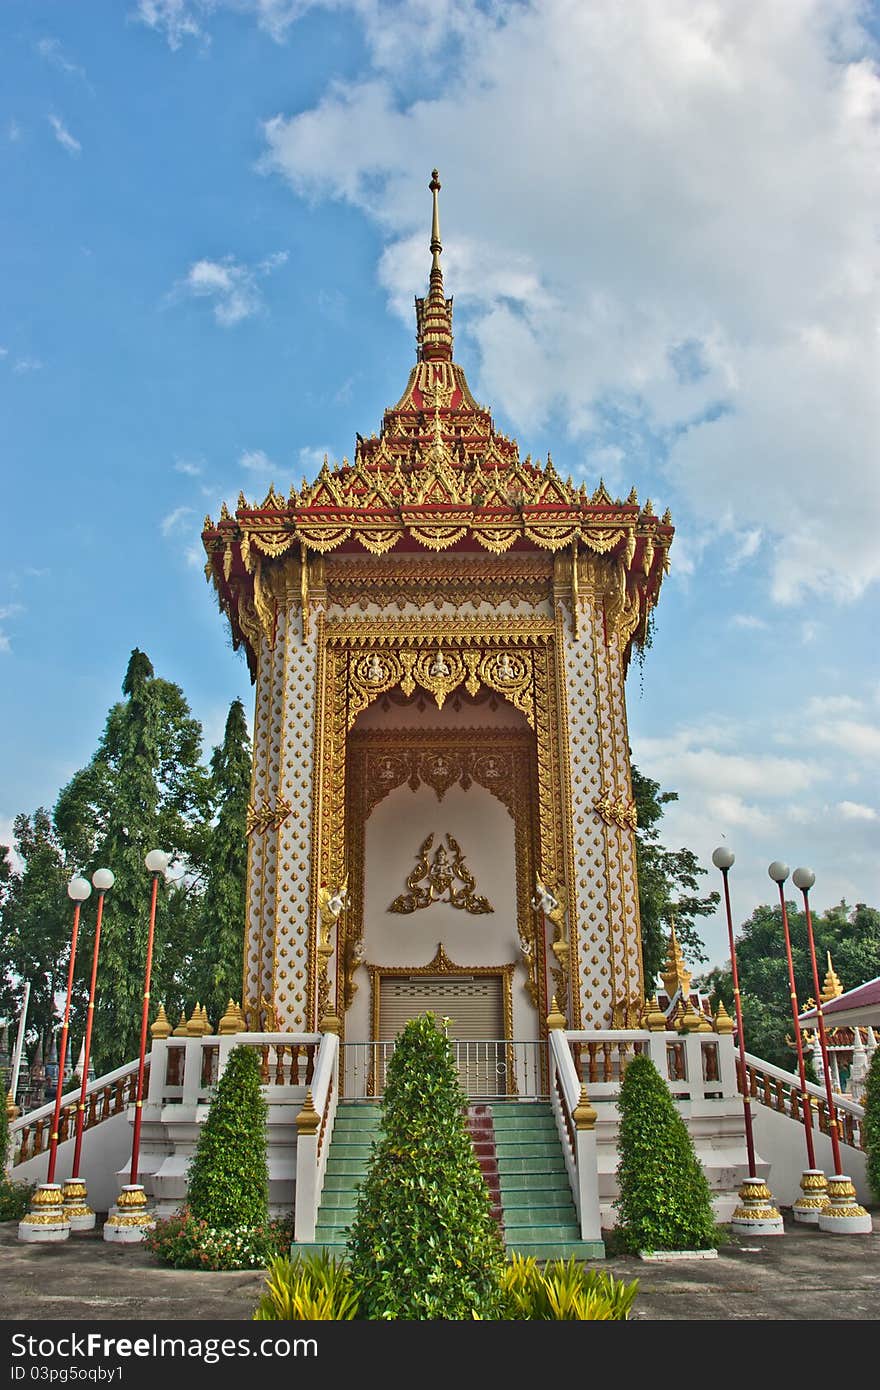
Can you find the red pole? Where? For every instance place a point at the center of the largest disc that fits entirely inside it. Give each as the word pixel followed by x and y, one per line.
pixel 62 1053
pixel 807 1107
pixel 139 1101
pixel 747 1100
pixel 87 1047
pixel 823 1036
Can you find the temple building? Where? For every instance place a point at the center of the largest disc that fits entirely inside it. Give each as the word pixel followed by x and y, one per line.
pixel 441 813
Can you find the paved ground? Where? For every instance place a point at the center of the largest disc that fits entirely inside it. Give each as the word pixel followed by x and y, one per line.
pixel 804 1275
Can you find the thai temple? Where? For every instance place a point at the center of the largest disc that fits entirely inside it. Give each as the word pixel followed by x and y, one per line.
pixel 442 819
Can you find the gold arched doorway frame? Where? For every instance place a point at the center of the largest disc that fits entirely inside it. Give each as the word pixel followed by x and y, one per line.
pixel 360 660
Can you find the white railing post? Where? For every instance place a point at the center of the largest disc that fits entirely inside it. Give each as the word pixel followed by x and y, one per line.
pixel 693 1053
pixel 158 1066
pixel 727 1065
pixel 314 1128
pixel 658 1054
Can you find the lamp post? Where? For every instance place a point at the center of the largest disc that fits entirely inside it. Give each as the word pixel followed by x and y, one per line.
pixel 76 1208
pixel 46 1220
pixel 814 1189
pixel 843 1215
pixel 130 1220
pixel 757 1214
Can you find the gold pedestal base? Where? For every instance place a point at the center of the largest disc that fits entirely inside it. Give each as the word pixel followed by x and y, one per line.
pixel 756 1216
pixel 130 1220
pixel 814 1198
pixel 46 1220
pixel 844 1216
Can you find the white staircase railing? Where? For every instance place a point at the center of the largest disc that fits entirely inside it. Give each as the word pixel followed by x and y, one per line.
pixel 488 1068
pixel 781 1091
pixel 314 1133
pixel 577 1134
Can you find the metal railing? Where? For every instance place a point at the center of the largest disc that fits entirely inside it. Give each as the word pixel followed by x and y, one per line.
pixel 488 1068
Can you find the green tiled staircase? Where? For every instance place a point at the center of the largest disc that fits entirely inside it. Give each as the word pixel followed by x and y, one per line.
pixel 355 1128
pixel 538 1213
pixel 538 1209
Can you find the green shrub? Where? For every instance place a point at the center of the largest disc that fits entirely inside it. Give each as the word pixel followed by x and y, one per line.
pixel 311 1288
pixel 4 1133
pixel 564 1291
pixel 871 1125
pixel 664 1201
pixel 228 1174
pixel 186 1242
pixel 424 1243
pixel 15 1198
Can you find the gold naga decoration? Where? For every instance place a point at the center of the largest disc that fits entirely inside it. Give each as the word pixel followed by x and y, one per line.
pixel 261 818
pixel 553 903
pixel 440 874
pixel 616 811
pixel 438 475
pixel 331 905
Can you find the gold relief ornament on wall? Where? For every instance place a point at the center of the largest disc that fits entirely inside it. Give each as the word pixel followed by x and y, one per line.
pixel 616 811
pixel 552 902
pixel 433 880
pixel 331 905
pixel 261 818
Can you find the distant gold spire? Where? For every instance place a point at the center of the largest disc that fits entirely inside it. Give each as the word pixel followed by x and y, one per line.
pixel 434 314
pixel 676 975
pixel 832 988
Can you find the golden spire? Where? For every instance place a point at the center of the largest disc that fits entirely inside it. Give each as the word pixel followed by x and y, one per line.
pixel 832 988
pixel 434 314
pixel 676 975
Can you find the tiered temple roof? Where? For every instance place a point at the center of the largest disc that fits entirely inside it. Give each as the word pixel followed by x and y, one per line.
pixel 438 477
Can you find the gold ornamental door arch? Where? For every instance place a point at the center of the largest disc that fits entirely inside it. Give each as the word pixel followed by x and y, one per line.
pixel 361 660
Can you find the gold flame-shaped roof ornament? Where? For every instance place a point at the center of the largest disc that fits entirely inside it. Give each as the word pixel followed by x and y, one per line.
pixel 831 988
pixel 676 974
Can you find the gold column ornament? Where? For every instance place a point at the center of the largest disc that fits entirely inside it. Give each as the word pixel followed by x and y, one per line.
pixel 555 1019
pixel 844 1215
pixel 723 1021
pixel 182 1029
pixel 12 1110
pixel 690 1019
pixel 552 903
pixel 77 1211
pixel 161 1028
pixel 756 1213
pixel 584 1115
pixel 45 1221
pixel 330 909
pixel 231 1022
pixel 654 1019
pixel 308 1119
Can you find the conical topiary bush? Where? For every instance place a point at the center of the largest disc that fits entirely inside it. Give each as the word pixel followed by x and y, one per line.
pixel 871 1125
pixel 424 1243
pixel 664 1201
pixel 228 1175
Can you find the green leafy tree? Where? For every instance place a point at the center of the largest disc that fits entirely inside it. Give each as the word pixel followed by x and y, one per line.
pixel 871 1130
pixel 218 972
pixel 143 789
pixel 424 1243
pixel 229 1176
pixel 664 1202
pixel 668 883
pixel 851 935
pixel 36 917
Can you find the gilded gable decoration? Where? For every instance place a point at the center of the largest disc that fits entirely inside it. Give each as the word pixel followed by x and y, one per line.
pixel 433 880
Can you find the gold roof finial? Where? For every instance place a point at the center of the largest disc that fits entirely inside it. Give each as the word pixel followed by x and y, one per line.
pixel 436 246
pixel 434 314
pixel 676 975
pixel 831 988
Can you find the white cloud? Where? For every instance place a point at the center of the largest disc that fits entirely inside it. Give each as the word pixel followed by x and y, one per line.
pixel 854 737
pixel 313 456
pixel 179 20
pixel 750 622
pixel 4 352
pixel 5 644
pixel 52 51
pixel 193 468
pixel 7 837
pixel 28 364
pixel 854 810
pixel 176 19
pixel 63 136
pixel 256 461
pixel 9 610
pixel 233 288
pixel 13 132
pixel 687 757
pixel 176 521
pixel 678 224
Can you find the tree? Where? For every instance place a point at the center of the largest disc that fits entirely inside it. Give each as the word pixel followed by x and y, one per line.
pixel 852 935
pixel 36 917
pixel 871 1133
pixel 143 789
pixel 664 1202
pixel 424 1243
pixel 228 1176
pixel 668 883
pixel 218 972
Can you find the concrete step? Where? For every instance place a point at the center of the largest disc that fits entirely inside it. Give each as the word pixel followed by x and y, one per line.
pixel 522 1218
pixel 527 1147
pixel 547 1199
pixel 531 1165
pixel 533 1182
pixel 559 1249
pixel 342 1182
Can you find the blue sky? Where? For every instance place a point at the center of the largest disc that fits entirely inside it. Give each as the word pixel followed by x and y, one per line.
pixel 660 228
